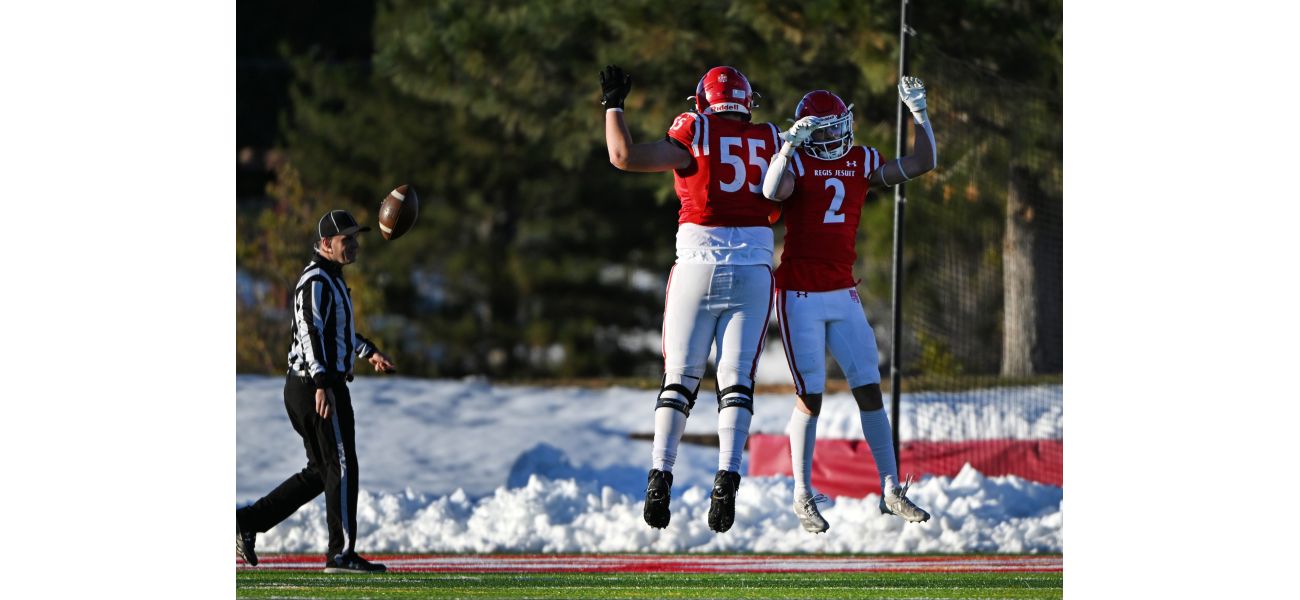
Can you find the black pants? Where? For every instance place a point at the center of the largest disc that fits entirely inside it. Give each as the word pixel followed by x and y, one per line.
pixel 331 468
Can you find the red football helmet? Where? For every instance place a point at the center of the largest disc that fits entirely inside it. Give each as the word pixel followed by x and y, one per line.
pixel 724 89
pixel 834 136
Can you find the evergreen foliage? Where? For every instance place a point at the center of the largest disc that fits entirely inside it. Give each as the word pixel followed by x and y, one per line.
pixel 532 255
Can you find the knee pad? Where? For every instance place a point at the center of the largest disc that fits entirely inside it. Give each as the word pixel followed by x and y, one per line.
pixel 874 400
pixel 736 395
pixel 668 393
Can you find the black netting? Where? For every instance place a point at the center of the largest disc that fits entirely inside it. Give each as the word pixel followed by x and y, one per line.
pixel 982 312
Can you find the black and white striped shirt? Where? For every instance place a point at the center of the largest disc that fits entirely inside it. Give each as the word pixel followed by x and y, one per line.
pixel 324 336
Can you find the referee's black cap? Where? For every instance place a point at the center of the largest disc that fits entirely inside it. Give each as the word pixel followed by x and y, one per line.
pixel 338 222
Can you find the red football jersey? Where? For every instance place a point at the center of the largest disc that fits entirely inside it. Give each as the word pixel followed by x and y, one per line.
pixel 821 220
pixel 724 186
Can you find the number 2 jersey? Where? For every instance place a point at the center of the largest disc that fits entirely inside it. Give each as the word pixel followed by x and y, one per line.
pixel 821 220
pixel 723 217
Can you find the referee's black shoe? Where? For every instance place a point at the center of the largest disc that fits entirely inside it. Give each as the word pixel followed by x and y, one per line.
pixel 722 504
pixel 658 493
pixel 352 563
pixel 244 543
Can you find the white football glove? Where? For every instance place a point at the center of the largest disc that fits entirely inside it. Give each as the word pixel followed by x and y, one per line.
pixel 801 130
pixel 912 92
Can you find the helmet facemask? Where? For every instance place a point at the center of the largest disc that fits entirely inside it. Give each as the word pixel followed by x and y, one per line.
pixel 833 136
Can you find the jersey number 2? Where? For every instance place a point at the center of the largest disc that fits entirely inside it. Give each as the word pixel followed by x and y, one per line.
pixel 833 214
pixel 738 164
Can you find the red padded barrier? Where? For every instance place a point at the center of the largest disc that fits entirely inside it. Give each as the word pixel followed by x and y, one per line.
pixel 846 468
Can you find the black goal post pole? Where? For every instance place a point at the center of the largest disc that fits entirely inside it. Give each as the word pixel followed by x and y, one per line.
pixel 900 202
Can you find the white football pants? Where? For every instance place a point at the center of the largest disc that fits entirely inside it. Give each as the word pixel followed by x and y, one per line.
pixel 811 322
pixel 716 306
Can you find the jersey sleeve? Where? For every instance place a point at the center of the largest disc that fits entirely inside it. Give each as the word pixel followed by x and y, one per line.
pixel 311 304
pixel 874 161
pixel 365 348
pixel 691 130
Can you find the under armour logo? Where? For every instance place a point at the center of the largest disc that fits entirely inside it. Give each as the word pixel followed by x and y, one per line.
pixel 722 78
pixel 801 294
pixel 852 163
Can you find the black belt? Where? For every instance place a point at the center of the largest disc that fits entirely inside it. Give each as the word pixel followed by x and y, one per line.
pixel 308 379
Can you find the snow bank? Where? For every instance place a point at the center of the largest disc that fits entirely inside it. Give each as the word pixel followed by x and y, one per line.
pixel 972 513
pixel 465 466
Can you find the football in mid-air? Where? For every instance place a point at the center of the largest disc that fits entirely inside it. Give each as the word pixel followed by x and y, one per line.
pixel 398 211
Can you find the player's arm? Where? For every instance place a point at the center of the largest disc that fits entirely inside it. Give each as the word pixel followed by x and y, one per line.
pixel 925 156
pixel 663 155
pixel 778 184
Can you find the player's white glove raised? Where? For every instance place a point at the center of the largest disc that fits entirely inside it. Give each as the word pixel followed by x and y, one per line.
pixel 912 92
pixel 801 130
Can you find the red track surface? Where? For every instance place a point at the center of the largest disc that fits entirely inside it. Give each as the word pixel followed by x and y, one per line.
pixel 678 563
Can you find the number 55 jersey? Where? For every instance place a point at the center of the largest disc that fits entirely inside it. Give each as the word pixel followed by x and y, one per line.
pixel 821 220
pixel 723 217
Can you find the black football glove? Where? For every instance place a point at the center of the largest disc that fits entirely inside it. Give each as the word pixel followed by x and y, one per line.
pixel 615 85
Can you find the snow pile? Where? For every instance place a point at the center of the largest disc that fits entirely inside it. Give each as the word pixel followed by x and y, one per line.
pixel 972 513
pixel 465 466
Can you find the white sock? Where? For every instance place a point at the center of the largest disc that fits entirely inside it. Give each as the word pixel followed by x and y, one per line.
pixel 880 437
pixel 733 428
pixel 803 436
pixel 669 425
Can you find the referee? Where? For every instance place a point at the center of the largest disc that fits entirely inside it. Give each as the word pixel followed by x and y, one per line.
pixel 319 405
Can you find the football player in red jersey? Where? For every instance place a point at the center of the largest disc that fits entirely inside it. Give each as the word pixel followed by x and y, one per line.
pixel 720 288
pixel 822 179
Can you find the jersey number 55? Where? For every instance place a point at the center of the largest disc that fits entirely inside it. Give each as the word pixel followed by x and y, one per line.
pixel 729 157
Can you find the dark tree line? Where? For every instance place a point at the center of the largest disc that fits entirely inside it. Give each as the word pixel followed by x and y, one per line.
pixel 533 256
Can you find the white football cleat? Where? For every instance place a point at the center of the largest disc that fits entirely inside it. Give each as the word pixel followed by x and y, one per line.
pixel 805 507
pixel 894 502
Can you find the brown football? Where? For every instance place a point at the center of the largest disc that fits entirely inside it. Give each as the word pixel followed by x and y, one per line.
pixel 398 211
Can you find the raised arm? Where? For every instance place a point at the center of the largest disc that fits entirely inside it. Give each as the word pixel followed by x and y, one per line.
pixel 778 184
pixel 924 157
pixel 662 155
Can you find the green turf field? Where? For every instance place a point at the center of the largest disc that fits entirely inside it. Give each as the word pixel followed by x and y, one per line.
pixel 295 584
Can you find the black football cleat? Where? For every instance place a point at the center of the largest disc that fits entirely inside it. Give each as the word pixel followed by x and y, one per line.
pixel 722 504
pixel 244 546
pixel 658 493
pixel 352 563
